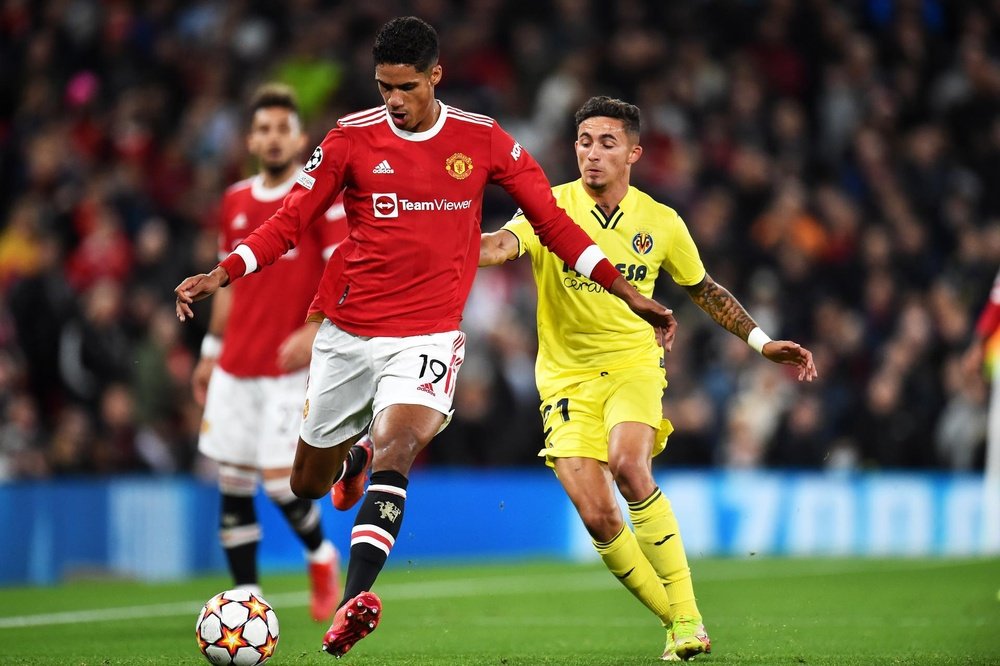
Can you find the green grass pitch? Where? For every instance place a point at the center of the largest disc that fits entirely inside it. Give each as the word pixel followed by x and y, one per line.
pixel 838 611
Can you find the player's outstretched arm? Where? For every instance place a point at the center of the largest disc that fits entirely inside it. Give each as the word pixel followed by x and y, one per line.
pixel 727 312
pixel 197 287
pixel 497 247
pixel 659 317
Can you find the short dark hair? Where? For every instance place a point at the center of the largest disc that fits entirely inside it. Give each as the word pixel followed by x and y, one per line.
pixel 273 94
pixel 406 40
pixel 609 107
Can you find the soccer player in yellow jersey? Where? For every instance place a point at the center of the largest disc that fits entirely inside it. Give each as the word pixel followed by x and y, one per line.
pixel 600 371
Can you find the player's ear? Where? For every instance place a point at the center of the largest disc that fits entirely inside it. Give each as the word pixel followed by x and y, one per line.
pixel 436 73
pixel 634 154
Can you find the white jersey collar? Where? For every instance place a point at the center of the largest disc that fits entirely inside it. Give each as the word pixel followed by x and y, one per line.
pixel 420 136
pixel 261 192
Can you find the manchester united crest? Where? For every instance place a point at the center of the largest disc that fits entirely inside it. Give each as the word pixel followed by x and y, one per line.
pixel 388 510
pixel 458 166
pixel 642 242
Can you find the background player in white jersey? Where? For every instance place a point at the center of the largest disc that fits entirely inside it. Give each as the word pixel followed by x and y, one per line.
pixel 251 377
pixel 601 377
pixel 388 353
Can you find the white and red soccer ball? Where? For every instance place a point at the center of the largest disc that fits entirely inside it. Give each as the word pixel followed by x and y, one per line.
pixel 237 627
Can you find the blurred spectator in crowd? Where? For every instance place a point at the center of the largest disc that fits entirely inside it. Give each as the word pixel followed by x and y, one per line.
pixel 21 440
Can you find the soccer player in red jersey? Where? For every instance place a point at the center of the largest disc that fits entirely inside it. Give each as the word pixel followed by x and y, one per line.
pixel 252 373
pixel 389 349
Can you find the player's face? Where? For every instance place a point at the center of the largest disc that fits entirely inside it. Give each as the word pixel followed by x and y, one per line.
pixel 605 152
pixel 275 138
pixel 409 95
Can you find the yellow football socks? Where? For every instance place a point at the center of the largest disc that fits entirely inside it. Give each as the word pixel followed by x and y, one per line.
pixel 625 560
pixel 659 537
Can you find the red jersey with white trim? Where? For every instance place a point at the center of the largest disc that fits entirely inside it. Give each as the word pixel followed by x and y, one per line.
pixel 414 209
pixel 266 308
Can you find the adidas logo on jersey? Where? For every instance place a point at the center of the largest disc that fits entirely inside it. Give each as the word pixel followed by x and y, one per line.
pixel 426 388
pixel 383 167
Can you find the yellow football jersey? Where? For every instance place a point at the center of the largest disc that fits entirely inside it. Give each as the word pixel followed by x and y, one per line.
pixel 582 329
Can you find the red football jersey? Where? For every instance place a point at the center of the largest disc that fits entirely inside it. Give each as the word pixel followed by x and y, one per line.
pixel 267 308
pixel 414 208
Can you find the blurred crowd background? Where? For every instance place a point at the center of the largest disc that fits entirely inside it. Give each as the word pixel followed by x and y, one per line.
pixel 832 158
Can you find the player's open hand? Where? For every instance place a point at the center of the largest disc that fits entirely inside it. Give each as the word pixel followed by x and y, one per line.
pixel 197 287
pixel 296 350
pixel 792 353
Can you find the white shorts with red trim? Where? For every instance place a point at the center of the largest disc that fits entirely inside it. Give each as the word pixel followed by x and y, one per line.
pixel 252 421
pixel 353 378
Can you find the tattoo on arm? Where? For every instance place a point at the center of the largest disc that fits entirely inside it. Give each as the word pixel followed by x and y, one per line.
pixel 722 306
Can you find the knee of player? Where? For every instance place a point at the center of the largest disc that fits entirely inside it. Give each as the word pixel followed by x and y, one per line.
pixel 397 450
pixel 306 487
pixel 631 476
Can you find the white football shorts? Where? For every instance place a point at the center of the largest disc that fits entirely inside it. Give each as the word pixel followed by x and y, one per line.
pixel 252 420
pixel 353 378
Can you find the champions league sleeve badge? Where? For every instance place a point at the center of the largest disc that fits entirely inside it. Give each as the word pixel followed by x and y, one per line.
pixel 314 160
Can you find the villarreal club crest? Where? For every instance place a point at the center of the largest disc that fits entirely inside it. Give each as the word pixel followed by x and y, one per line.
pixel 642 242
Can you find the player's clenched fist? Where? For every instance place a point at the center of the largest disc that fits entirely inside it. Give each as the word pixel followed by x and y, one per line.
pixel 659 317
pixel 197 287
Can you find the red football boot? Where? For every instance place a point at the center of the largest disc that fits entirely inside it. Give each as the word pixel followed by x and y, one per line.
pixel 347 492
pixel 353 621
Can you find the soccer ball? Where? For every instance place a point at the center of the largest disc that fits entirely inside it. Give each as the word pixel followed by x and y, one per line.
pixel 237 627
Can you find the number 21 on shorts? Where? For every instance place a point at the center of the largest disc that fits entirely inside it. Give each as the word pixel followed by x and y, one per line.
pixel 562 404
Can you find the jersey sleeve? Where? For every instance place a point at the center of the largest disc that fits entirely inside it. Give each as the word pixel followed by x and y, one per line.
pixel 515 170
pixel 683 261
pixel 313 193
pixel 527 241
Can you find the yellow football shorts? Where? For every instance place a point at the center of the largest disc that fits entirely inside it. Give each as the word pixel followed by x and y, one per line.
pixel 578 419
